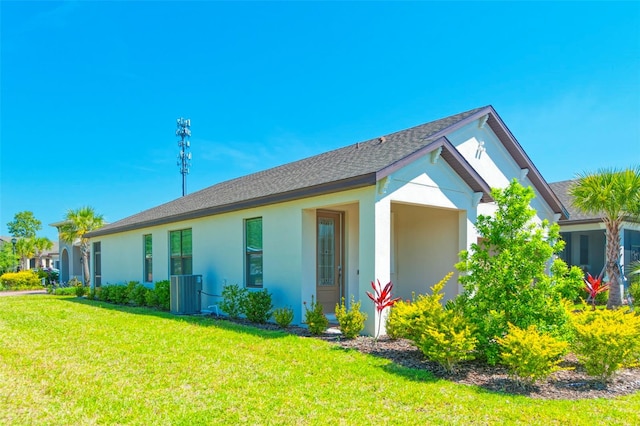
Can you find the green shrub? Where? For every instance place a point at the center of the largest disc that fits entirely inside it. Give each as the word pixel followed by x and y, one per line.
pixel 257 306
pixel 606 340
pixel 443 335
pixel 64 291
pixel 163 294
pixel 233 300
pixel 529 355
pixel 401 319
pixel 505 276
pixel 315 318
pixel 80 290
pixel 23 280
pixel 105 293
pixel 138 294
pixel 283 316
pixel 408 319
pixel 449 340
pixel 120 294
pixel 567 281
pixel 151 299
pixel 352 320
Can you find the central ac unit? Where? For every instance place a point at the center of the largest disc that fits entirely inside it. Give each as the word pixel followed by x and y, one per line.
pixel 185 294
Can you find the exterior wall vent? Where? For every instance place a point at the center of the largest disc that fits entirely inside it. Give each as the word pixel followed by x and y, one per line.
pixel 185 294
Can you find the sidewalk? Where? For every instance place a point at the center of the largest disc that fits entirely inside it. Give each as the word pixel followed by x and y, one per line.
pixel 22 292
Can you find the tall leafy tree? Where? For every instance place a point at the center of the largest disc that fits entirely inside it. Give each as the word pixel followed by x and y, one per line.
pixel 77 224
pixel 24 225
pixel 613 194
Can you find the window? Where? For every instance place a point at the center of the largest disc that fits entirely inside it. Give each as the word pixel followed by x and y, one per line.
pixel 584 249
pixel 180 251
pixel 253 252
pixel 97 264
pixel 148 258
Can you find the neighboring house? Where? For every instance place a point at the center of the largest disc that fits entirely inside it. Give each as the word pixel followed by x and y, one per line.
pixel 70 258
pixel 398 207
pixel 48 259
pixel 585 236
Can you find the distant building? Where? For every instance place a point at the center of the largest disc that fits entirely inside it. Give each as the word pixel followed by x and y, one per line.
pixel 585 236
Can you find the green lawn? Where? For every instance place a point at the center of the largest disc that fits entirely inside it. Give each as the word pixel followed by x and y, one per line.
pixel 70 361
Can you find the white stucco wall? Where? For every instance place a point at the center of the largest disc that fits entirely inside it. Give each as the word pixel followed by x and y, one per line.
pixel 218 249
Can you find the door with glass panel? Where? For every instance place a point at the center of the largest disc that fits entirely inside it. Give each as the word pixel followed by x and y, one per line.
pixel 329 260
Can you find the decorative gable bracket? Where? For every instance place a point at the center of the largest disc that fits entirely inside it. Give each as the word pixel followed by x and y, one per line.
pixel 435 155
pixel 477 196
pixel 383 185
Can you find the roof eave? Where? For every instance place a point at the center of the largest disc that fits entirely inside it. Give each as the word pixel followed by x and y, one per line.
pixel 522 159
pixel 322 189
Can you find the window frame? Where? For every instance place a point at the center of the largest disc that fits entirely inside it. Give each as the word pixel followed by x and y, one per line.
pixel 185 259
pixel 147 258
pixel 97 264
pixel 253 256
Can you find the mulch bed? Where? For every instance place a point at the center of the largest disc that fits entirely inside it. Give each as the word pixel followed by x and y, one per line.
pixel 572 383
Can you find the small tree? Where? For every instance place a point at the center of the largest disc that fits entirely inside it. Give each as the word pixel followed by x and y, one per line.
pixel 507 279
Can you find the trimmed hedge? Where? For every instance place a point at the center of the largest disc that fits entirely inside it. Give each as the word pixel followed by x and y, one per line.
pixel 23 280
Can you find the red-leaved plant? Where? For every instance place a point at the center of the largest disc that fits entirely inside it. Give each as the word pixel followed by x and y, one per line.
pixel 594 286
pixel 382 299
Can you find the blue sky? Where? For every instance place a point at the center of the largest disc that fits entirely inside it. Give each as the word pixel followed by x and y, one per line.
pixel 90 91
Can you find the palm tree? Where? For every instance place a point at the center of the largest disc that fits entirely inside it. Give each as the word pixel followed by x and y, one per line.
pixel 77 224
pixel 615 196
pixel 25 249
pixel 41 244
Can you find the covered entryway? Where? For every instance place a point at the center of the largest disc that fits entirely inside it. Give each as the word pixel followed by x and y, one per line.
pixel 425 243
pixel 329 259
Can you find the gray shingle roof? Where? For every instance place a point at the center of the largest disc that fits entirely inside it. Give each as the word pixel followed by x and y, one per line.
pixel 576 216
pixel 352 166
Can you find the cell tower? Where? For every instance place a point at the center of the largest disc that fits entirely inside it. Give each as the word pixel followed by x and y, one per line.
pixel 184 157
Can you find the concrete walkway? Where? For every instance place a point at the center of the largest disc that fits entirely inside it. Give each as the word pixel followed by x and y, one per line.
pixel 22 292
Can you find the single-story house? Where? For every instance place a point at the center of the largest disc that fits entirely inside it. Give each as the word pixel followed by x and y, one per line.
pixel 585 236
pixel 398 208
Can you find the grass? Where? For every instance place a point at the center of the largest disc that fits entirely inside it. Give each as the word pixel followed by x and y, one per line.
pixel 65 360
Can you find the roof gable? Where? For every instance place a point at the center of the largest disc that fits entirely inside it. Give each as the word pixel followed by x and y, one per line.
pixel 353 166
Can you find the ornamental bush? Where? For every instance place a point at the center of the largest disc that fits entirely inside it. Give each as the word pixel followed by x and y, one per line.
pixel 529 355
pixel 138 293
pixel 408 319
pixel 351 320
pixel 163 294
pixel 233 300
pixel 283 316
pixel 23 280
pixel 257 306
pixel 606 340
pixel 448 340
pixel 315 318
